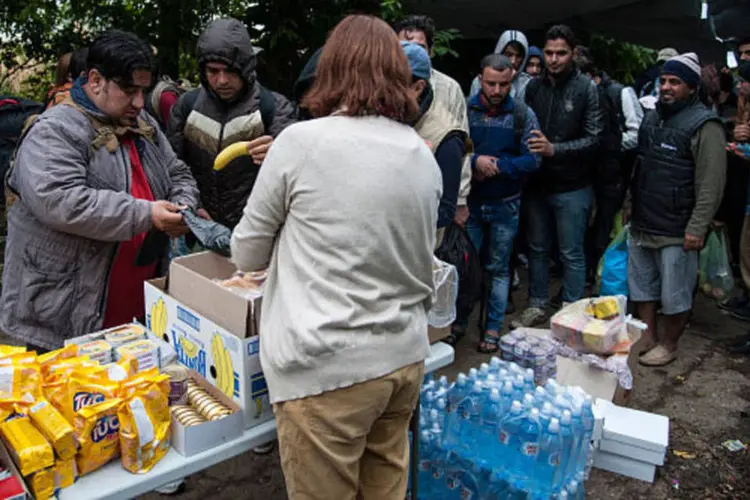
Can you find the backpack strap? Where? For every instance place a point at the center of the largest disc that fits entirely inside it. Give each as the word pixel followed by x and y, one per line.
pixel 614 94
pixel 11 195
pixel 520 111
pixel 267 107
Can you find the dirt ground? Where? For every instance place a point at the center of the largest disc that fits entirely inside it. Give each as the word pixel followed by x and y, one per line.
pixel 705 393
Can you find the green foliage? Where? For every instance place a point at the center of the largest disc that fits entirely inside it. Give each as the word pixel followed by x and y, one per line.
pixel 625 61
pixel 442 45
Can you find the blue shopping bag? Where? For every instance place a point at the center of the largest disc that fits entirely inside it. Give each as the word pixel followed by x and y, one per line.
pixel 614 266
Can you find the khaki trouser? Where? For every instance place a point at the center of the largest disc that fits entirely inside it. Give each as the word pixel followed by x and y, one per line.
pixel 745 252
pixel 350 443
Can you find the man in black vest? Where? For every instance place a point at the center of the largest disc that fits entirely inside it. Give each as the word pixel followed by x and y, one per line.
pixel 677 188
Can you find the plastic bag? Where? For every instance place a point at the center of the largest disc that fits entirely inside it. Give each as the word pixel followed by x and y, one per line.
pixel 444 294
pixel 210 234
pixel 613 268
pixel 714 272
pixel 583 332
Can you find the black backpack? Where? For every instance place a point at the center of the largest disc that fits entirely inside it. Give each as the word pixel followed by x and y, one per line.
pixel 14 112
pixel 457 250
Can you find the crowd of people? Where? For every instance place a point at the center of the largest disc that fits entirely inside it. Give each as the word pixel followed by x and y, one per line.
pixel 346 192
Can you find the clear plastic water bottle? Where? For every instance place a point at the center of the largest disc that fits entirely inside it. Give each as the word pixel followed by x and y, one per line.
pixel 545 414
pixel 528 380
pixel 540 396
pixel 443 383
pixel 457 399
pixel 528 450
pixel 507 396
pixel 569 442
pixel 426 452
pixel 473 375
pixel 587 417
pixel 491 412
pixel 509 441
pixel 490 383
pixel 528 402
pixel 496 364
pixel 484 370
pixel 518 388
pixel 547 477
pixel 574 462
pixel 472 424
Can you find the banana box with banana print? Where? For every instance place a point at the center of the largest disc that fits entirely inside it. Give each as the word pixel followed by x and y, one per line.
pixel 229 363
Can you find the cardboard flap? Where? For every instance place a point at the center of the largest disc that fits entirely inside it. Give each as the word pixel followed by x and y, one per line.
pixel 192 282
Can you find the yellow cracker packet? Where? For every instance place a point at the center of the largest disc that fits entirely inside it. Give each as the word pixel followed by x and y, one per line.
pixel 20 381
pixel 54 428
pixel 122 370
pixel 42 484
pixel 30 450
pixel 8 350
pixel 52 357
pixel 86 389
pixel 142 381
pixel 66 473
pixel 97 430
pixel 22 358
pixel 144 429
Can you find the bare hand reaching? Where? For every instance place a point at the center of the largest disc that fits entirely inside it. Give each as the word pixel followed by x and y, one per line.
pixel 167 218
pixel 258 148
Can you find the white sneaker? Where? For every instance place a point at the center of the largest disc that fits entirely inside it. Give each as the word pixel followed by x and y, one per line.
pixel 532 316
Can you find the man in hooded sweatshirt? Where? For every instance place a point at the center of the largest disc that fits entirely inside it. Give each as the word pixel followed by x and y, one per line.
pixel 513 45
pixel 229 107
pixel 535 61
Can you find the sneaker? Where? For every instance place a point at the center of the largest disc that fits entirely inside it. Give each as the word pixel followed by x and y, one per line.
pixel 532 316
pixel 741 313
pixel 264 449
pixel 557 301
pixel 731 303
pixel 172 489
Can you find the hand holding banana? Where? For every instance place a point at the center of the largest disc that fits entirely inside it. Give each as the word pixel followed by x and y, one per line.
pixel 257 149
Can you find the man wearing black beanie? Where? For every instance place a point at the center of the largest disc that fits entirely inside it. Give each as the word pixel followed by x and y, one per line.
pixel 676 191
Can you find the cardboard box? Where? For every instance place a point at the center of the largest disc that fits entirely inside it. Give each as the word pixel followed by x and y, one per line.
pixel 192 282
pixel 634 452
pixel 14 487
pixel 637 428
pixel 596 382
pixel 229 363
pixel 197 438
pixel 625 466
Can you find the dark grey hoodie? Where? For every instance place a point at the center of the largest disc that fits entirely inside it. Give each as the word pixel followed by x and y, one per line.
pixel 202 124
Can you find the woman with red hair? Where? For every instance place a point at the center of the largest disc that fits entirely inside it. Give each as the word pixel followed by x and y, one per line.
pixel 343 215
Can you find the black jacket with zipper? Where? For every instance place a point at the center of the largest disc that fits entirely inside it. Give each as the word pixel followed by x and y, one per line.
pixel 570 117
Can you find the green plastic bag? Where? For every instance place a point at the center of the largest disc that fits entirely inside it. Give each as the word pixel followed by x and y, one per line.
pixel 714 272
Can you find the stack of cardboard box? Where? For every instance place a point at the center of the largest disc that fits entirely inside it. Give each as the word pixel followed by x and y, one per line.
pixel 633 443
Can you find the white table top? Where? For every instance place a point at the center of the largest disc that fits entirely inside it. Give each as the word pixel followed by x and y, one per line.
pixel 112 482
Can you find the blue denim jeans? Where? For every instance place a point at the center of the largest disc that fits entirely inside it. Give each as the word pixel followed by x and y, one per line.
pixel 495 226
pixel 568 215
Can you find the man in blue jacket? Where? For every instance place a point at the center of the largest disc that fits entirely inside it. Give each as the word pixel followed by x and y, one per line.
pixel 500 128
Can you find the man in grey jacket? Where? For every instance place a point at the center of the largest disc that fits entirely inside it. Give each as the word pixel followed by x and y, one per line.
pixel 229 107
pixel 92 176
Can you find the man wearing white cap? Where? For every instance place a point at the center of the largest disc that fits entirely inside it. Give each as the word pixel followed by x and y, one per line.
pixel 676 189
